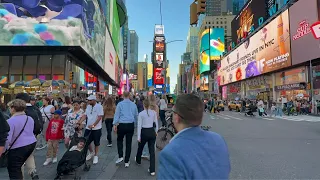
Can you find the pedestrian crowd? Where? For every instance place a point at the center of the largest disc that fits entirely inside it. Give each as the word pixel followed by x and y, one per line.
pixel 30 124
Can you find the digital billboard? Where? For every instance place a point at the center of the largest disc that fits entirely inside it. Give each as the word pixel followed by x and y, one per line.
pixel 266 51
pixel 150 73
pixel 250 18
pixel 115 25
pixel 273 6
pixel 204 82
pixel 159 30
pixel 67 23
pixel 158 77
pixel 302 15
pixel 110 57
pixel 158 63
pixel 159 44
pixel 211 44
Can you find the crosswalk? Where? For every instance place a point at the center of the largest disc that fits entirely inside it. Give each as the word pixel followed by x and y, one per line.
pixel 242 117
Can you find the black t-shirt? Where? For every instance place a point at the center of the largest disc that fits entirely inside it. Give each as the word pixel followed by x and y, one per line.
pixel 37 117
pixel 4 129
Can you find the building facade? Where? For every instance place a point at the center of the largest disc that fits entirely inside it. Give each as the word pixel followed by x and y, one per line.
pixel 237 5
pixel 134 51
pixel 142 73
pixel 192 43
pixel 218 7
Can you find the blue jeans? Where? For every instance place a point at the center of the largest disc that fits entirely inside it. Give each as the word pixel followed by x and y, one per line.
pixel 279 111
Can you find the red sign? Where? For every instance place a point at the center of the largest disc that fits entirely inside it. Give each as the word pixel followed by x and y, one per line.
pixel 90 78
pixel 158 78
pixel 302 30
pixel 316 30
pixel 111 58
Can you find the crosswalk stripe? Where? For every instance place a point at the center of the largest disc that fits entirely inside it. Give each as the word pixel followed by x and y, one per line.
pixel 223 117
pixel 268 119
pixel 212 117
pixel 233 117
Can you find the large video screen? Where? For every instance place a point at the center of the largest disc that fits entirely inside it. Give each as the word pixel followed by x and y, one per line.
pixel 252 14
pixel 266 51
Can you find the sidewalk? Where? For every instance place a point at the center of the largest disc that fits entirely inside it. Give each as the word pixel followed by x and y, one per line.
pixel 105 169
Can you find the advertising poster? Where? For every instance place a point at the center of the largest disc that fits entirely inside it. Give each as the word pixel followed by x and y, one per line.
pixel 150 73
pixel 158 77
pixel 57 24
pixel 115 26
pixel 159 43
pixel 159 56
pixel 301 35
pixel 273 6
pixel 266 51
pixel 204 82
pixel 249 19
pixel 110 54
pixel 159 30
pixel 212 44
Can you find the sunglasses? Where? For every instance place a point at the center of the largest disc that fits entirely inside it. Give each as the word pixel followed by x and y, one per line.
pixel 175 112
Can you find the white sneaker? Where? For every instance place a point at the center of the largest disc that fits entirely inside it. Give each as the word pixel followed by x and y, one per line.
pixel 109 145
pixel 55 160
pixel 153 174
pixel 47 162
pixel 95 159
pixel 90 155
pixel 126 165
pixel 119 160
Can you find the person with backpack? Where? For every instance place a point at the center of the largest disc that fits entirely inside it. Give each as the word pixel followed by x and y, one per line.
pixel 4 129
pixel 33 112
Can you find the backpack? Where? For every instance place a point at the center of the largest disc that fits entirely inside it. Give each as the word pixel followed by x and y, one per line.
pixel 37 117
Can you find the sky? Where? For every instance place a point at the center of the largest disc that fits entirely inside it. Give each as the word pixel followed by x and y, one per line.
pixel 144 14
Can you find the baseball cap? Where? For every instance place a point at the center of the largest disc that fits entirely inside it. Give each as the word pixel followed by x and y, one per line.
pixel 58 112
pixel 92 97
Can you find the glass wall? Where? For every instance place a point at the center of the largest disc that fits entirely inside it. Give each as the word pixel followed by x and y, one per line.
pixel 30 68
pixel 4 69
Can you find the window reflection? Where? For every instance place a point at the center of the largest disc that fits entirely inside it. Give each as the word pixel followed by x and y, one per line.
pixel 16 65
pixel 4 68
pixel 14 78
pixel 45 64
pixel 58 64
pixel 30 65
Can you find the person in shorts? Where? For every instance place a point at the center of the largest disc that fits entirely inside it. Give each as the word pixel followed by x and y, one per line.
pixel 93 114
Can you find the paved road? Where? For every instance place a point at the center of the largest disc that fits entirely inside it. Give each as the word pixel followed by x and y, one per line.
pixel 260 148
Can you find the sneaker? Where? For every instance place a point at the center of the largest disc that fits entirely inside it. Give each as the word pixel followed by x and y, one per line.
pixel 90 155
pixel 34 175
pixel 55 160
pixel 152 174
pixel 109 145
pixel 47 162
pixel 135 159
pixel 41 146
pixel 95 160
pixel 126 165
pixel 119 160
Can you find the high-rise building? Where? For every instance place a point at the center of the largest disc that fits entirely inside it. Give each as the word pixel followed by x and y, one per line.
pixel 142 73
pixel 218 7
pixel 134 50
pixel 237 5
pixel 192 43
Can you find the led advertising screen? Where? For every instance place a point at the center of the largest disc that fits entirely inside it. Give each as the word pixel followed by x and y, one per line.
pixel 212 44
pixel 302 15
pixel 110 57
pixel 266 51
pixel 204 82
pixel 159 30
pixel 159 43
pixel 158 63
pixel 55 23
pixel 250 17
pixel 158 77
pixel 273 6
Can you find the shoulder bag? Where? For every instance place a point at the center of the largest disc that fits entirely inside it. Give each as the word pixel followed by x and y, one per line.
pixel 4 156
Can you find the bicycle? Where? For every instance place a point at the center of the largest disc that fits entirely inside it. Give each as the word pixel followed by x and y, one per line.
pixel 165 134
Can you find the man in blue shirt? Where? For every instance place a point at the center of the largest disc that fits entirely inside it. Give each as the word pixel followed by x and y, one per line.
pixel 123 123
pixel 193 153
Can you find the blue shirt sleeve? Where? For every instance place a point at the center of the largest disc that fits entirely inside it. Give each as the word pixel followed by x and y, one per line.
pixel 169 166
pixel 135 114
pixel 116 115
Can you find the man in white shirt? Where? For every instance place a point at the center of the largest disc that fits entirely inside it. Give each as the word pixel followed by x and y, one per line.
pixel 94 114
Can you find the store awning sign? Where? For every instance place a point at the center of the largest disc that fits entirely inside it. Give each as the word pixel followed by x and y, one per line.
pixel 295 86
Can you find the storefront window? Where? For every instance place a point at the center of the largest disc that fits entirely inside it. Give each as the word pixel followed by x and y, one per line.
pixel 58 64
pixel 58 77
pixel 4 66
pixel 292 84
pixel 14 78
pixel 29 77
pixel 30 65
pixel 16 65
pixel 45 64
pixel 316 88
pixel 45 77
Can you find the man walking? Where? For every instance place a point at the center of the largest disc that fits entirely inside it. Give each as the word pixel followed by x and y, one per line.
pixel 125 117
pixel 193 153
pixel 93 114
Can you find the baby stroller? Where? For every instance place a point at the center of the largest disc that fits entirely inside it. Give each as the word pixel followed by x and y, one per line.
pixel 74 158
pixel 249 110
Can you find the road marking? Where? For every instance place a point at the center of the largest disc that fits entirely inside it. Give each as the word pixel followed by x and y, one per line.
pixel 223 117
pixel 212 117
pixel 268 119
pixel 233 117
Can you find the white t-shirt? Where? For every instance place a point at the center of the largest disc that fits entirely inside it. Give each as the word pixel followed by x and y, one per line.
pixel 163 104
pixel 92 115
pixel 46 112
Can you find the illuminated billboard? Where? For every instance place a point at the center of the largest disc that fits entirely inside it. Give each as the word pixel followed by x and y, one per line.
pixel 158 77
pixel 266 51
pixel 211 44
pixel 159 44
pixel 204 82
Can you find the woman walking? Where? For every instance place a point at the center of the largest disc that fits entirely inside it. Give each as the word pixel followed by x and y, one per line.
pixel 21 140
pixel 70 123
pixel 109 109
pixel 147 134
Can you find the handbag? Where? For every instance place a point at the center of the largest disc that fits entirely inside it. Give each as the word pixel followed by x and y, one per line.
pixel 4 156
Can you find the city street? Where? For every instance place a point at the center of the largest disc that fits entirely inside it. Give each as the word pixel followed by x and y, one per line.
pixel 260 148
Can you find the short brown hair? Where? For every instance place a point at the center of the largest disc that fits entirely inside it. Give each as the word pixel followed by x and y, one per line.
pixel 17 104
pixel 126 94
pixel 190 108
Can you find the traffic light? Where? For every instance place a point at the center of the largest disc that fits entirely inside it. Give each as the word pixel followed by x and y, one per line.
pixel 201 7
pixel 193 14
pixel 71 76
